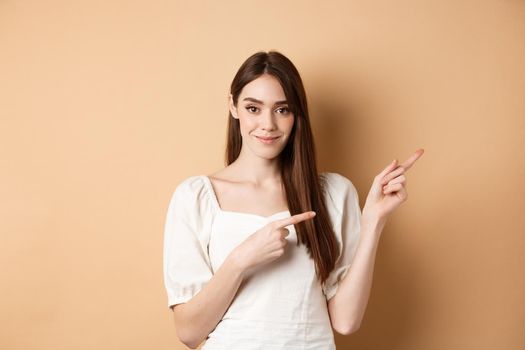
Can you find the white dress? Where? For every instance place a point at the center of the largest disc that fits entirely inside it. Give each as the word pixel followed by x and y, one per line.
pixel 280 306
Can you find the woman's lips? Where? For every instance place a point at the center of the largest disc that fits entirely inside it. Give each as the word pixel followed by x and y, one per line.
pixel 267 140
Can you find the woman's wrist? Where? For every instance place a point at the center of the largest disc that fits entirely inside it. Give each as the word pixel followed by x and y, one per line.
pixel 372 222
pixel 236 263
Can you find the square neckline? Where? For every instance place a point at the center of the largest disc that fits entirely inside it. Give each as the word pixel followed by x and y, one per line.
pixel 211 191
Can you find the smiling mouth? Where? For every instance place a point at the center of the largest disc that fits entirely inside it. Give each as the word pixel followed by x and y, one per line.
pixel 267 140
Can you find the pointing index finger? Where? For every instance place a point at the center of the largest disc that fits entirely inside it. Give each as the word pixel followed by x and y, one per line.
pixel 294 219
pixel 412 159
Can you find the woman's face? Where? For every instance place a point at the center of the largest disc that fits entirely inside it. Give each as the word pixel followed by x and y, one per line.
pixel 263 112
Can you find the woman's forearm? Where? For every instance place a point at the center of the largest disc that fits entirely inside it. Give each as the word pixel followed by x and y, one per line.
pixel 196 319
pixel 348 305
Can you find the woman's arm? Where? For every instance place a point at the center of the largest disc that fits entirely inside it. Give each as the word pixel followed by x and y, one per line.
pixel 197 318
pixel 387 193
pixel 348 305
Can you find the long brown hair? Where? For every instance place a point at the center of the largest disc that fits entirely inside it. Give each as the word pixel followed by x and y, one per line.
pixel 297 159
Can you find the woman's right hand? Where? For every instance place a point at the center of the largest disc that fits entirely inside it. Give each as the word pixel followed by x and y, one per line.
pixel 266 244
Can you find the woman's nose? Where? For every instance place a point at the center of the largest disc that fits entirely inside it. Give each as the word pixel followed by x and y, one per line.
pixel 267 121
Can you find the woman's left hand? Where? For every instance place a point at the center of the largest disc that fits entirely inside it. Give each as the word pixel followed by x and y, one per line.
pixel 388 189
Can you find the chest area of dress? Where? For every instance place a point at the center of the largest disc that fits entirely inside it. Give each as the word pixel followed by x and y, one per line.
pixel 230 229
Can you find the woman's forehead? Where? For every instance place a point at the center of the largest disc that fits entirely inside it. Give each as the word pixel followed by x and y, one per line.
pixel 265 88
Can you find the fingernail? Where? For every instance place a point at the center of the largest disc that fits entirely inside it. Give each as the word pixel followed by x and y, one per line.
pixel 314 213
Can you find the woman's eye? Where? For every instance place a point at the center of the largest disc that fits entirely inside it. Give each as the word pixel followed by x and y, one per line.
pixel 282 110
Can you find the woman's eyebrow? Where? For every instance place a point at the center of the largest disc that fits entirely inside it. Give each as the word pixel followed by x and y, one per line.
pixel 261 102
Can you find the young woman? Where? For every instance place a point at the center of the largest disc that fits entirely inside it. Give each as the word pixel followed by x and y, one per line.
pixel 267 253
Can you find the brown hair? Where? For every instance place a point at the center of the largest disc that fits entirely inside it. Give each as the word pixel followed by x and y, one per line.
pixel 297 160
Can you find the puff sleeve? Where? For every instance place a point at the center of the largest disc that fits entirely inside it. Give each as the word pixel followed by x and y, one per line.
pixel 186 263
pixel 343 207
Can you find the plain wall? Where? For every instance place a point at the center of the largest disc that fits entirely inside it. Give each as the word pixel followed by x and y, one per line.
pixel 105 106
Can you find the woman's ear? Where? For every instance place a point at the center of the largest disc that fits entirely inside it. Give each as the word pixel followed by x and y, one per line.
pixel 233 109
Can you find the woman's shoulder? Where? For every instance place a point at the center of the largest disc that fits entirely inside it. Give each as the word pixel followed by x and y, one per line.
pixel 338 189
pixel 191 183
pixel 192 192
pixel 335 181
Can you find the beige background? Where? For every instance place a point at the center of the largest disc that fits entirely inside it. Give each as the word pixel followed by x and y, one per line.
pixel 107 105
